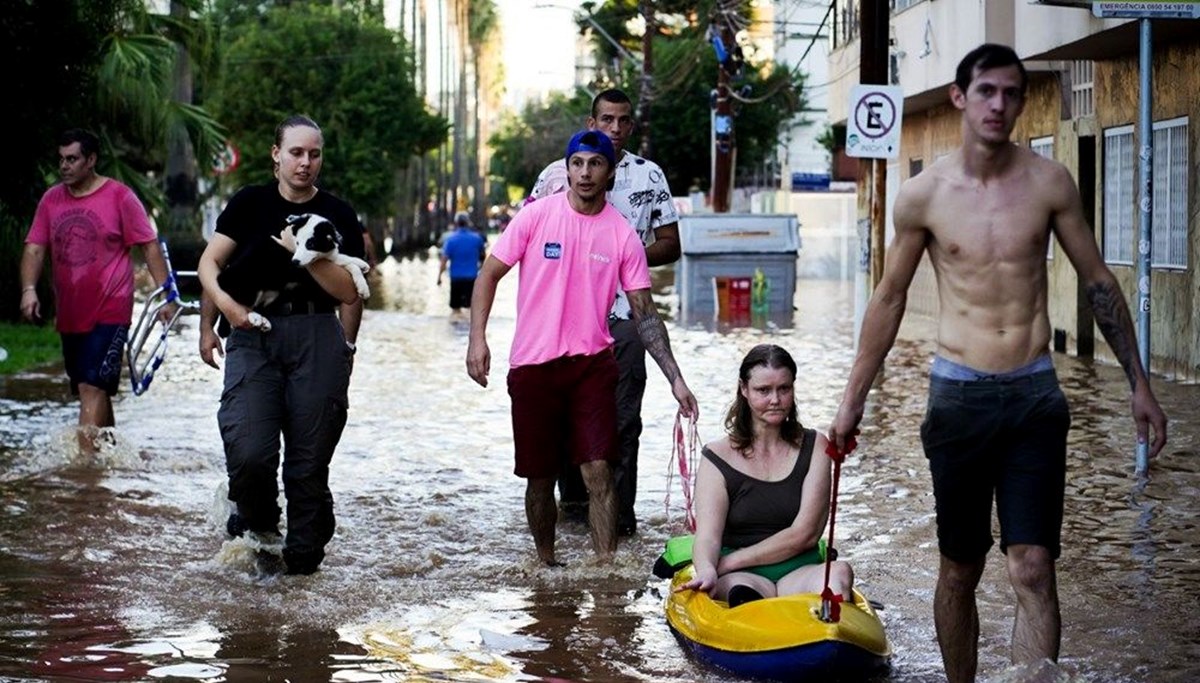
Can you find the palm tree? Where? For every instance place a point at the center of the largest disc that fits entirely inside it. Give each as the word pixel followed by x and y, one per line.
pixel 144 98
pixel 483 34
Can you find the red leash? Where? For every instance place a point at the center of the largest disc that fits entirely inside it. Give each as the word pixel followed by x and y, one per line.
pixel 831 604
pixel 684 452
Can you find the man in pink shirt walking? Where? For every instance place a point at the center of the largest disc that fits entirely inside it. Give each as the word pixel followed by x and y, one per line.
pixel 87 224
pixel 574 249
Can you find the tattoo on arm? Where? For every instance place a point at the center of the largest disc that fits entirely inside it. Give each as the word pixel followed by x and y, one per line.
pixel 1112 316
pixel 653 334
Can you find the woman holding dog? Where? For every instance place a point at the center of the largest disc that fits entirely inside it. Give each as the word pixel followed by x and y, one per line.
pixel 291 380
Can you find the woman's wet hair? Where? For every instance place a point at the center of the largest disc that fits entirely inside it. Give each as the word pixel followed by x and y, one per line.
pixel 293 121
pixel 738 423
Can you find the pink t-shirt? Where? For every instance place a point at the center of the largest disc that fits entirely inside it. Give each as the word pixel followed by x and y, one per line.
pixel 89 240
pixel 571 264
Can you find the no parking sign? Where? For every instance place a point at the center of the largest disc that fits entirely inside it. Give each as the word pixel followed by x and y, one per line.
pixel 873 127
pixel 227 160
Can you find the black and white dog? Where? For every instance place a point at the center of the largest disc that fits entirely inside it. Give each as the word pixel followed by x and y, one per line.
pixel 317 238
pixel 314 237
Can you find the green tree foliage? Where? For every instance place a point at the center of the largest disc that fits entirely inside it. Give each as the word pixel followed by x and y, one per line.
pixel 766 96
pixel 48 47
pixel 524 144
pixel 345 70
pixel 106 65
pixel 101 64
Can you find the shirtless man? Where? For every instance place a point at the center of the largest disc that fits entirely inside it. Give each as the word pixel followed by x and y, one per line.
pixel 997 421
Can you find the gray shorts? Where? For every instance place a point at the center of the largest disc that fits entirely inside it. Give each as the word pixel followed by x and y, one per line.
pixel 1006 438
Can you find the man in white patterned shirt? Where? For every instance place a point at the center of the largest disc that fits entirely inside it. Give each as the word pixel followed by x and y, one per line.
pixel 640 192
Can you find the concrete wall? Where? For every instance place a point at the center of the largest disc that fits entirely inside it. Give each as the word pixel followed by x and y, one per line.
pixel 1045 27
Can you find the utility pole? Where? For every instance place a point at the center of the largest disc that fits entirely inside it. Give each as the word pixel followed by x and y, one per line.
pixel 646 96
pixel 872 173
pixel 724 150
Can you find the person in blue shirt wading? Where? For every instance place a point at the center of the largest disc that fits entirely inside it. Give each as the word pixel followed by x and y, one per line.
pixel 464 250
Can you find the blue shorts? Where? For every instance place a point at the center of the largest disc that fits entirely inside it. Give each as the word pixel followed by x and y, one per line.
pixel 1001 437
pixel 95 358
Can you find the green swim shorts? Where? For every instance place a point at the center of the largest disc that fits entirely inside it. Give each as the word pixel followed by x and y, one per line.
pixel 678 554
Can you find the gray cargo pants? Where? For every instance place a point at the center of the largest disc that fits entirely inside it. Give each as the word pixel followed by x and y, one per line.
pixel 292 381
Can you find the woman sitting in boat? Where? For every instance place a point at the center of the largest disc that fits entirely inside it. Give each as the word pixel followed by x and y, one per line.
pixel 762 494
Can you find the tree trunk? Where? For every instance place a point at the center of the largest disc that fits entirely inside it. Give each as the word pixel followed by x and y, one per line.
pixel 180 173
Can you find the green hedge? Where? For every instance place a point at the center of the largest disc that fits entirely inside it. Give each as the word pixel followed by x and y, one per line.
pixel 28 346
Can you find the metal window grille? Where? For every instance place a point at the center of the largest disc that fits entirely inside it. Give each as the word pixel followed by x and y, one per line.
pixel 1119 209
pixel 1170 194
pixel 1082 100
pixel 845 22
pixel 1044 147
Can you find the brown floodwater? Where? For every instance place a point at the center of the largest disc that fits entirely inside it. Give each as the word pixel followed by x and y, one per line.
pixel 115 567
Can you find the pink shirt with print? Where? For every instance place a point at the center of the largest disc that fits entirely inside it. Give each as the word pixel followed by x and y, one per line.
pixel 571 264
pixel 89 240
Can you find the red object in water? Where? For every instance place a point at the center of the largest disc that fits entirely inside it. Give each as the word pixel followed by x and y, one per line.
pixel 733 299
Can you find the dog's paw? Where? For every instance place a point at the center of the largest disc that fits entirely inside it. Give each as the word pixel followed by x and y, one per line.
pixel 259 321
pixel 286 239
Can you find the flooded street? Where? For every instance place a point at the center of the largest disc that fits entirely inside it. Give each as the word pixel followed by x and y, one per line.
pixel 116 568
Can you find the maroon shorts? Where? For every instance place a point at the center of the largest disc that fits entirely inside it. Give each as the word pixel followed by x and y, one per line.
pixel 563 409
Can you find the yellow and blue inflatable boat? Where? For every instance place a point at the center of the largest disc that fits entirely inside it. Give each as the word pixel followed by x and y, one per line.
pixel 780 638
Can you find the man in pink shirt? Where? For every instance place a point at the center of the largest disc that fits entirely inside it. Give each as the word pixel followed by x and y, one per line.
pixel 88 223
pixel 574 249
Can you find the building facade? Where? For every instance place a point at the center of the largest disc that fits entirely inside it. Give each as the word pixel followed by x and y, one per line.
pixel 1082 110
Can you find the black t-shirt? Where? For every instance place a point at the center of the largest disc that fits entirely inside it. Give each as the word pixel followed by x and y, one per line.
pixel 258 212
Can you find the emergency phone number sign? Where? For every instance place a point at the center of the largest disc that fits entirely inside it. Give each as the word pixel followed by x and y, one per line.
pixel 1152 9
pixel 873 126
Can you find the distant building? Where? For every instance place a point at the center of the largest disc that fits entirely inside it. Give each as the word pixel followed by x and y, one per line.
pixel 802 39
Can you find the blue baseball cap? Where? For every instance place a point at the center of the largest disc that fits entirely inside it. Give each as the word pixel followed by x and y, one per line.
pixel 592 141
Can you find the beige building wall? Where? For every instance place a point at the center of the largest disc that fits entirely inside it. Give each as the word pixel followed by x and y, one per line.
pixel 930 38
pixel 1175 294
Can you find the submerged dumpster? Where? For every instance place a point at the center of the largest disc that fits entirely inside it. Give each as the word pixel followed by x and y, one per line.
pixel 737 266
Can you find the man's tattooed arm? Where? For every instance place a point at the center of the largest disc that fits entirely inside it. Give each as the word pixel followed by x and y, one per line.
pixel 653 332
pixel 1112 316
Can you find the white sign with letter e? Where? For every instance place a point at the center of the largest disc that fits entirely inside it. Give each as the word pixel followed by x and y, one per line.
pixel 873 127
